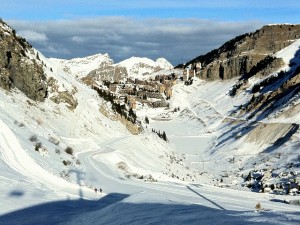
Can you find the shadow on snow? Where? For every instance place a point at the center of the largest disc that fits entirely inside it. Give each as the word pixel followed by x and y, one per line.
pixel 112 210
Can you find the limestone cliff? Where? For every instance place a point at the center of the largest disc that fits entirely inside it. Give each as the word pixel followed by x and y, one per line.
pixel 108 73
pixel 238 56
pixel 17 68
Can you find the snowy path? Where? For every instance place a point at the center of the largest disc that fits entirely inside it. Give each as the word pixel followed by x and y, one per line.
pixel 140 193
pixel 214 197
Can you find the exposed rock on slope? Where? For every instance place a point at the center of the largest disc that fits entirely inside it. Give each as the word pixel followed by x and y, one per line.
pixel 134 67
pixel 239 55
pixel 108 73
pixel 17 69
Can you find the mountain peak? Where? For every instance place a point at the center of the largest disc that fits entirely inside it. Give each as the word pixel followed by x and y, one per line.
pixel 138 67
pixel 80 67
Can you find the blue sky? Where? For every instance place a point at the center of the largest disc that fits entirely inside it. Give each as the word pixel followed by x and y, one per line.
pixel 226 18
pixel 229 10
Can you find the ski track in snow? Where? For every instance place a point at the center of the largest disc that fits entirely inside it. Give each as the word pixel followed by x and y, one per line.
pixel 215 197
pixel 17 159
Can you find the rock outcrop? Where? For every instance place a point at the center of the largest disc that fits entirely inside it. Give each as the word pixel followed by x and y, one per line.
pixel 17 69
pixel 239 55
pixel 108 73
pixel 134 67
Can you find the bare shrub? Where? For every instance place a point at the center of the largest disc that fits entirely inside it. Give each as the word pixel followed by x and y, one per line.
pixel 69 150
pixel 67 162
pixel 122 166
pixel 39 121
pixel 20 124
pixel 33 138
pixel 57 151
pixel 54 140
pixel 258 206
pixel 64 174
pixel 38 146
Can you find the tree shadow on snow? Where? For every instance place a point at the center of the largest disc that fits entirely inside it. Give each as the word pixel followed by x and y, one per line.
pixel 112 210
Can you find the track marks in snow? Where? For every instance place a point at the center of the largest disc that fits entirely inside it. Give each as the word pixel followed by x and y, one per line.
pixel 17 159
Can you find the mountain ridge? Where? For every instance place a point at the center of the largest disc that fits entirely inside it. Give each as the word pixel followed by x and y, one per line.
pixel 237 56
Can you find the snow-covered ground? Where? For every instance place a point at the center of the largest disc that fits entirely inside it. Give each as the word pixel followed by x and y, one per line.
pixel 144 180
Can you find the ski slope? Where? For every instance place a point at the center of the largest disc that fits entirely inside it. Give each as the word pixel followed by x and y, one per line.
pixel 134 202
pixel 144 179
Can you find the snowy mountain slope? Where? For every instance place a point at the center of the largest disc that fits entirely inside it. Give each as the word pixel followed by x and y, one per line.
pixel 102 67
pixel 54 153
pixel 80 67
pixel 241 136
pixel 138 67
pixel 36 135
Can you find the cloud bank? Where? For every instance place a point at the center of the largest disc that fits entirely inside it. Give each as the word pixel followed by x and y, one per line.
pixel 178 40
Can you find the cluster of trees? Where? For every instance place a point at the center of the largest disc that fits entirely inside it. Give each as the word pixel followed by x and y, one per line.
pixel 161 135
pixel 177 109
pixel 106 95
pixel 268 81
pixel 236 87
pixel 116 107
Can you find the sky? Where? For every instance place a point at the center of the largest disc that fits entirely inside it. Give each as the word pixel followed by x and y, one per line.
pixel 177 30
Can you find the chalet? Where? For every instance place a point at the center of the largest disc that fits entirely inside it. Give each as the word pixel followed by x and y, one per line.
pixel 188 73
pixel 131 102
pixel 168 91
pixel 161 88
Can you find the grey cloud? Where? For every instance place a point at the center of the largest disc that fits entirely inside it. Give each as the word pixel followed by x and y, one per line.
pixel 178 40
pixel 33 36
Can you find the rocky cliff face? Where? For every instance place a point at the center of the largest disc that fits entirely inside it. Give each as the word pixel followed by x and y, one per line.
pixel 17 69
pixel 239 55
pixel 108 73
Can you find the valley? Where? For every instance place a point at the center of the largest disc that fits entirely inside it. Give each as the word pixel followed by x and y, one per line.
pixel 235 156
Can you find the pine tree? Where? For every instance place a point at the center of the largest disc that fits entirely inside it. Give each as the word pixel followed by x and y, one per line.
pixel 164 136
pixel 146 120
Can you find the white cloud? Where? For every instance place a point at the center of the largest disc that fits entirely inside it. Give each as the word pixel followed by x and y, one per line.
pixel 178 40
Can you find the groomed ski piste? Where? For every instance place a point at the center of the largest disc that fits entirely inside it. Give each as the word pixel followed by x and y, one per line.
pixel 143 179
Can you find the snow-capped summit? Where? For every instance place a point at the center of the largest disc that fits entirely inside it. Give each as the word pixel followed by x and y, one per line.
pixel 138 67
pixel 80 67
pixel 163 63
